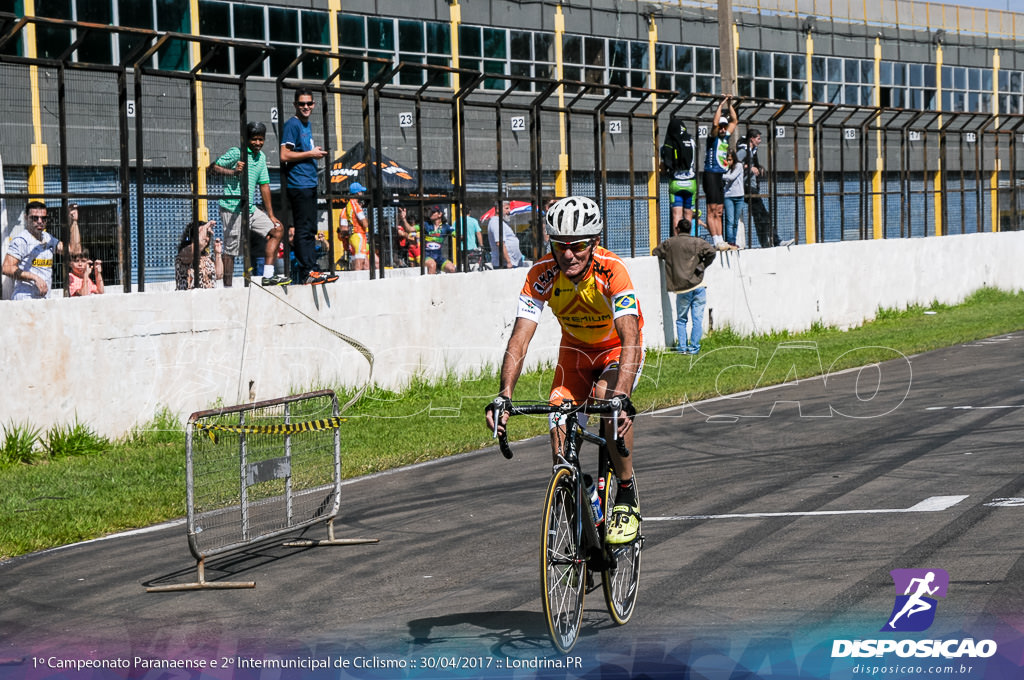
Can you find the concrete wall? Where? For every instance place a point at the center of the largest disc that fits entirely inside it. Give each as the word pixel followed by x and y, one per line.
pixel 114 360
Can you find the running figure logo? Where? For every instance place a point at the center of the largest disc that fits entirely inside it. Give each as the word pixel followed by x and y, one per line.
pixel 914 609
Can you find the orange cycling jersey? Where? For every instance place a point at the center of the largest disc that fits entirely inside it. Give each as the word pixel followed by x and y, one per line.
pixel 352 216
pixel 587 310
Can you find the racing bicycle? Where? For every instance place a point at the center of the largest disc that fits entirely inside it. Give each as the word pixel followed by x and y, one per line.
pixel 572 538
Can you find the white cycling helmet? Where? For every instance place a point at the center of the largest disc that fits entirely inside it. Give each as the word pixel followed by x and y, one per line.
pixel 574 217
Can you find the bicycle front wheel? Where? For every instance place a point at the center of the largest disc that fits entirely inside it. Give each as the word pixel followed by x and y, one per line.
pixel 563 570
pixel 621 582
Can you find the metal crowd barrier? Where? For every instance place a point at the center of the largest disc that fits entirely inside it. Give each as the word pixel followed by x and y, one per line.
pixel 256 471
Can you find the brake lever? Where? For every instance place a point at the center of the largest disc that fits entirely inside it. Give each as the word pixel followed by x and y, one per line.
pixel 498 407
pixel 499 410
pixel 620 443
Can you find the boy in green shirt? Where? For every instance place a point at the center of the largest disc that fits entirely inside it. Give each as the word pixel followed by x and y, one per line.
pixel 233 167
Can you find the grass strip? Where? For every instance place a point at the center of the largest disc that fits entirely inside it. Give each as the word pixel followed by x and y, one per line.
pixel 140 480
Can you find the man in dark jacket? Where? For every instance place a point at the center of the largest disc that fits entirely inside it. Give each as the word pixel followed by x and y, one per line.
pixel 685 258
pixel 753 174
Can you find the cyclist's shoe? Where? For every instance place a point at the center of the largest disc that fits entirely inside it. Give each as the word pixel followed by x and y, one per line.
pixel 276 280
pixel 624 525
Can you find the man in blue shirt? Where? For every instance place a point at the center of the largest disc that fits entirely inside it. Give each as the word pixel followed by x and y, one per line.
pixel 299 156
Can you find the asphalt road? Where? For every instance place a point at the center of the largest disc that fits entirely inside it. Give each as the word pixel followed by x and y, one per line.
pixel 772 522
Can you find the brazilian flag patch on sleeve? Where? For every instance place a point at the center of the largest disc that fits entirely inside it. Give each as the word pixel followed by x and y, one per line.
pixel 625 303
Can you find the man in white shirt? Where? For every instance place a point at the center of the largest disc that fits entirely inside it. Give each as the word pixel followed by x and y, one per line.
pixel 505 251
pixel 29 259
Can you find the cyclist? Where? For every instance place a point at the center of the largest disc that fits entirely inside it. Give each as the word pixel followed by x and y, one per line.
pixel 601 351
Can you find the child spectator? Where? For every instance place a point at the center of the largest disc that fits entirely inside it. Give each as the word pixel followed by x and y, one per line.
pixel 732 182
pixel 82 268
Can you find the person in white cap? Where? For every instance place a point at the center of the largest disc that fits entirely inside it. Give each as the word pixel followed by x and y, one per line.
pixel 601 352
pixel 715 169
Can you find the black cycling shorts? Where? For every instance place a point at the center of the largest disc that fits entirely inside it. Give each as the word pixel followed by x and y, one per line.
pixel 714 188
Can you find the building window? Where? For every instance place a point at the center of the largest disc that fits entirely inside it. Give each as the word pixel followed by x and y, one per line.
pixel 966 89
pixel 532 55
pixel 626 63
pixel 51 41
pixel 584 59
pixel 907 86
pixel 483 50
pixel 663 67
pixel 1011 91
pixel 97 47
pixel 684 69
pixel 288 30
pixel 399 40
pixel 215 21
pixel 706 79
pixel 284 35
pixel 771 75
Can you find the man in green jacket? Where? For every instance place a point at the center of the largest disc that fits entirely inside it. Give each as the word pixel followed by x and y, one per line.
pixel 686 257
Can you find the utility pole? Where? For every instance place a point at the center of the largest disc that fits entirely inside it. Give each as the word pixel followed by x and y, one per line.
pixel 726 47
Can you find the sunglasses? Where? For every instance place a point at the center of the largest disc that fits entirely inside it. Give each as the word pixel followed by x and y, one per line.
pixel 576 247
pixel 305 105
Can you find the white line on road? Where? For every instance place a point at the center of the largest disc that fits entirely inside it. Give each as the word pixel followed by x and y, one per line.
pixel 932 504
pixel 972 408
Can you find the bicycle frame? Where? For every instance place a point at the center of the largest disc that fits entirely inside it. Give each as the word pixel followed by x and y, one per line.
pixel 572 544
pixel 570 459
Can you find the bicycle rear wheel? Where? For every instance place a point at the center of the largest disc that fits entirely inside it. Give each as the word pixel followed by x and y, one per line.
pixel 621 582
pixel 563 570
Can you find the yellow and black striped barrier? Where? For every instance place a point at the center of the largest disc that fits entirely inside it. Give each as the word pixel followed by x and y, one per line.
pixel 289 428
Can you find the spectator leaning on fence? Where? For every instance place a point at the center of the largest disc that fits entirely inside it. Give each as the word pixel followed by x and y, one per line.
pixel 754 174
pixel 505 253
pixel 189 249
pixel 679 162
pixel 299 156
pixel 435 236
pixel 409 231
pixel 263 222
pixel 732 182
pixel 473 240
pixel 686 257
pixel 29 259
pixel 714 168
